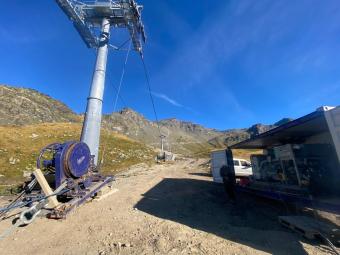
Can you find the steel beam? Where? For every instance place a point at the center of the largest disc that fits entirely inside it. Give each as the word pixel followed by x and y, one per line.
pixel 79 22
pixel 91 128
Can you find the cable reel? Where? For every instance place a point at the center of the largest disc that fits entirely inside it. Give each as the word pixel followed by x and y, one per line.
pixel 69 160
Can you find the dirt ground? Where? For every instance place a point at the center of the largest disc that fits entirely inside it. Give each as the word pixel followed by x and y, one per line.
pixel 163 209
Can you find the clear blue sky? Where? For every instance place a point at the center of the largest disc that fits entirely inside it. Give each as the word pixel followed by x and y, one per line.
pixel 223 64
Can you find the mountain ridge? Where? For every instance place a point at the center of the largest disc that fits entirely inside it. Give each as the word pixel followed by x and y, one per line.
pixel 21 106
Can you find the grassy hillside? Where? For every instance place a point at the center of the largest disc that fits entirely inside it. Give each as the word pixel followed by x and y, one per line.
pixel 203 150
pixel 245 154
pixel 20 146
pixel 23 106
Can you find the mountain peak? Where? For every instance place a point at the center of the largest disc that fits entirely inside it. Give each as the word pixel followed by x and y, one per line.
pixel 283 121
pixel 259 128
pixel 127 110
pixel 129 113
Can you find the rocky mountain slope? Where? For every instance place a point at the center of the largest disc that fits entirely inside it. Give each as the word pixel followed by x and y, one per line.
pixel 181 136
pixel 21 106
pixel 260 128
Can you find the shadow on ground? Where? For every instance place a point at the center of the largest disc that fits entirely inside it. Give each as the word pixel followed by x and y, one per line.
pixel 202 205
pixel 202 174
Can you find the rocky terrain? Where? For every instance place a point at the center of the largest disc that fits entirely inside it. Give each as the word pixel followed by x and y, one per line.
pixel 181 136
pixel 170 208
pixel 19 106
pixel 260 128
pixel 163 209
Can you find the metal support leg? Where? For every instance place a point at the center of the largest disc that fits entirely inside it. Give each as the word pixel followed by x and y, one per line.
pixel 91 128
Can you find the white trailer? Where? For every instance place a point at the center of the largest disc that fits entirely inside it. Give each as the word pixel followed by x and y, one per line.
pixel 218 159
pixel 242 167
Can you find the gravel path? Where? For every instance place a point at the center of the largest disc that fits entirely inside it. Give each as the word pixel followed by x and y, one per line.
pixel 163 209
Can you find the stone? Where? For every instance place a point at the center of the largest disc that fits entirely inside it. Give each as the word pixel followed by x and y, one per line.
pixel 13 160
pixel 33 136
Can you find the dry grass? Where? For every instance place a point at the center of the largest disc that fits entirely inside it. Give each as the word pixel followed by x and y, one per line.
pixel 203 150
pixel 245 154
pixel 20 146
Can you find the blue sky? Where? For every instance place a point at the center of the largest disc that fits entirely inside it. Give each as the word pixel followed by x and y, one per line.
pixel 224 64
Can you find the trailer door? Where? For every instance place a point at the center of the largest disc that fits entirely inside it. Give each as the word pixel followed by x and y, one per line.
pixel 218 159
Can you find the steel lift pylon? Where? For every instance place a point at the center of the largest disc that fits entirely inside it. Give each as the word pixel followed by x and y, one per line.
pixel 86 17
pixel 71 167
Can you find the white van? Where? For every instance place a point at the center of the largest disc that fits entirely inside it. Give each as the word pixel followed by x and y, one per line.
pixel 218 159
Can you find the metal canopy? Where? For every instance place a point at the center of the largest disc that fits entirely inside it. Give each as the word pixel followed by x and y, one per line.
pixel 295 131
pixel 87 16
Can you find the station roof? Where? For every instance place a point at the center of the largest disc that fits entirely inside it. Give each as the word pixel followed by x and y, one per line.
pixel 295 131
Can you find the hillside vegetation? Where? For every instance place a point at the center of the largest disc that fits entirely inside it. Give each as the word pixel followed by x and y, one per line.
pixel 20 146
pixel 22 106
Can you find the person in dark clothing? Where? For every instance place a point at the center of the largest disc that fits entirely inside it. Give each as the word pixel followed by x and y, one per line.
pixel 229 182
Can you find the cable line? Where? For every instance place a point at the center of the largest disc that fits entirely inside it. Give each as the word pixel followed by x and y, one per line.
pixel 120 96
pixel 108 77
pixel 122 76
pixel 150 91
pixel 118 89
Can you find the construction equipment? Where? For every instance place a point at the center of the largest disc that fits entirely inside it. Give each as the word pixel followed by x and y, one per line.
pixel 300 162
pixel 299 166
pixel 71 167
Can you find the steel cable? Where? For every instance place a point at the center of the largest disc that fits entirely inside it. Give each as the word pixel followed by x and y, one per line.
pixel 122 77
pixel 22 204
pixel 147 77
